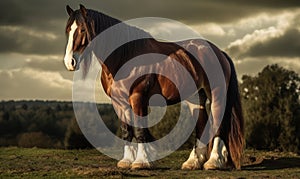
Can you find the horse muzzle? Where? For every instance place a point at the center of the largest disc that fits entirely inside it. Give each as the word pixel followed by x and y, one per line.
pixel 71 62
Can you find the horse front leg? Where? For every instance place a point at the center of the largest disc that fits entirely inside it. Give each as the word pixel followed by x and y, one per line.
pixel 145 151
pixel 127 135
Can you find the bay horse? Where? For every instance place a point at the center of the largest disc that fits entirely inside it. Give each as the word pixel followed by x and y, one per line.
pixel 224 149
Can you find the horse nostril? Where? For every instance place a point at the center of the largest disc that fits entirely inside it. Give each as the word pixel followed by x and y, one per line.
pixel 73 62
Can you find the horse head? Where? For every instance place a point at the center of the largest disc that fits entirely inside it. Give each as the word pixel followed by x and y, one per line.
pixel 80 32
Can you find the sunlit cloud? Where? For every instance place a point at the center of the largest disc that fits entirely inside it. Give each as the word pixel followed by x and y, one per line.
pixel 276 30
pixel 210 29
pixel 27 83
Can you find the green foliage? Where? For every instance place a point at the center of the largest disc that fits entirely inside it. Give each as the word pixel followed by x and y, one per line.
pixel 272 109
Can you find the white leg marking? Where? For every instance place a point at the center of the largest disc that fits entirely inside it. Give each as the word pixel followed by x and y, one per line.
pixel 144 156
pixel 69 53
pixel 218 156
pixel 129 157
pixel 197 157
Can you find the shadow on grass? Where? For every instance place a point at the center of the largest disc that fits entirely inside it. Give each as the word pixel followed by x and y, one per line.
pixel 274 164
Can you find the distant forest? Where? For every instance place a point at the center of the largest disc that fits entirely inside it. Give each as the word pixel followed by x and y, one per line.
pixel 52 124
pixel 45 124
pixel 271 107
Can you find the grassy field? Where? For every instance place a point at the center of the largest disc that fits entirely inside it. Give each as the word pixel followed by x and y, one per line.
pixel 48 163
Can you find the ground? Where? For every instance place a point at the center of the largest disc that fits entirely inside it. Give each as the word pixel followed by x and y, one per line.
pixel 50 163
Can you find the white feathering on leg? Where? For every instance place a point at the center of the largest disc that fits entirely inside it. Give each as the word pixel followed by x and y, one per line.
pixel 197 157
pixel 144 157
pixel 218 156
pixel 129 157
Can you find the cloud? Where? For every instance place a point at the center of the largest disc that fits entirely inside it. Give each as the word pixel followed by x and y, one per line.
pixel 29 41
pixel 241 47
pixel 32 37
pixel 266 3
pixel 14 61
pixel 253 65
pixel 38 26
pixel 42 12
pixel 286 45
pixel 39 77
pixel 278 39
pixel 30 84
pixel 210 29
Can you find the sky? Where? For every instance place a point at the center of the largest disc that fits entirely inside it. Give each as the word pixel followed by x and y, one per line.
pixel 33 40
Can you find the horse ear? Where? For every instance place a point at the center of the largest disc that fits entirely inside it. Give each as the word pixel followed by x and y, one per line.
pixel 69 10
pixel 83 10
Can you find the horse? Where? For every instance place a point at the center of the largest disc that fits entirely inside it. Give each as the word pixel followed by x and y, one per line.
pixel 225 148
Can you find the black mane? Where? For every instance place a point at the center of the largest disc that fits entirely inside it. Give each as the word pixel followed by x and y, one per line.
pixel 98 22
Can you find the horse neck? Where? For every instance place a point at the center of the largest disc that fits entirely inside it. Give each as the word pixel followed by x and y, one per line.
pixel 102 21
pixel 124 53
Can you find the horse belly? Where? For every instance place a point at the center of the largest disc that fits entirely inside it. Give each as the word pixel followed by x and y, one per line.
pixel 175 81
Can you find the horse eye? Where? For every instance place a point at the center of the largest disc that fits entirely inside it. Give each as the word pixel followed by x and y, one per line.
pixel 82 30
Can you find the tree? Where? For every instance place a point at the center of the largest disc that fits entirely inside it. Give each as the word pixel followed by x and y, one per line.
pixel 272 109
pixel 74 139
pixel 34 139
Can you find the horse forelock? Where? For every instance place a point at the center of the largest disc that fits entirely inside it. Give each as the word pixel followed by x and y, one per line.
pixel 72 18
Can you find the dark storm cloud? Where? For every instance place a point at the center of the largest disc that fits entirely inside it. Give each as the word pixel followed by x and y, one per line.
pixel 287 45
pixel 20 41
pixel 30 12
pixel 51 16
pixel 265 3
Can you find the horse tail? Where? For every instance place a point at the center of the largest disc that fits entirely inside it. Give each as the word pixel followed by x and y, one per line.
pixel 235 124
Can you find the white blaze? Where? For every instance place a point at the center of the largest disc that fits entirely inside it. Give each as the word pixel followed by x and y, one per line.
pixel 69 53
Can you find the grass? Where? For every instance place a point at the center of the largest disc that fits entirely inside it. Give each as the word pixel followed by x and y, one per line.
pixel 51 163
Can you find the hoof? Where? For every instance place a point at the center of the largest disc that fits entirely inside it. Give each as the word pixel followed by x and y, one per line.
pixel 124 164
pixel 210 166
pixel 196 159
pixel 190 165
pixel 140 166
pixel 214 165
pixel 218 156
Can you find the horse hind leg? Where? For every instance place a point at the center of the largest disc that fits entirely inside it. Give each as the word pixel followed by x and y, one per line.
pixel 218 153
pixel 219 156
pixel 198 155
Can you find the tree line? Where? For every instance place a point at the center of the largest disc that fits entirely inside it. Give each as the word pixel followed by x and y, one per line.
pixel 271 107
